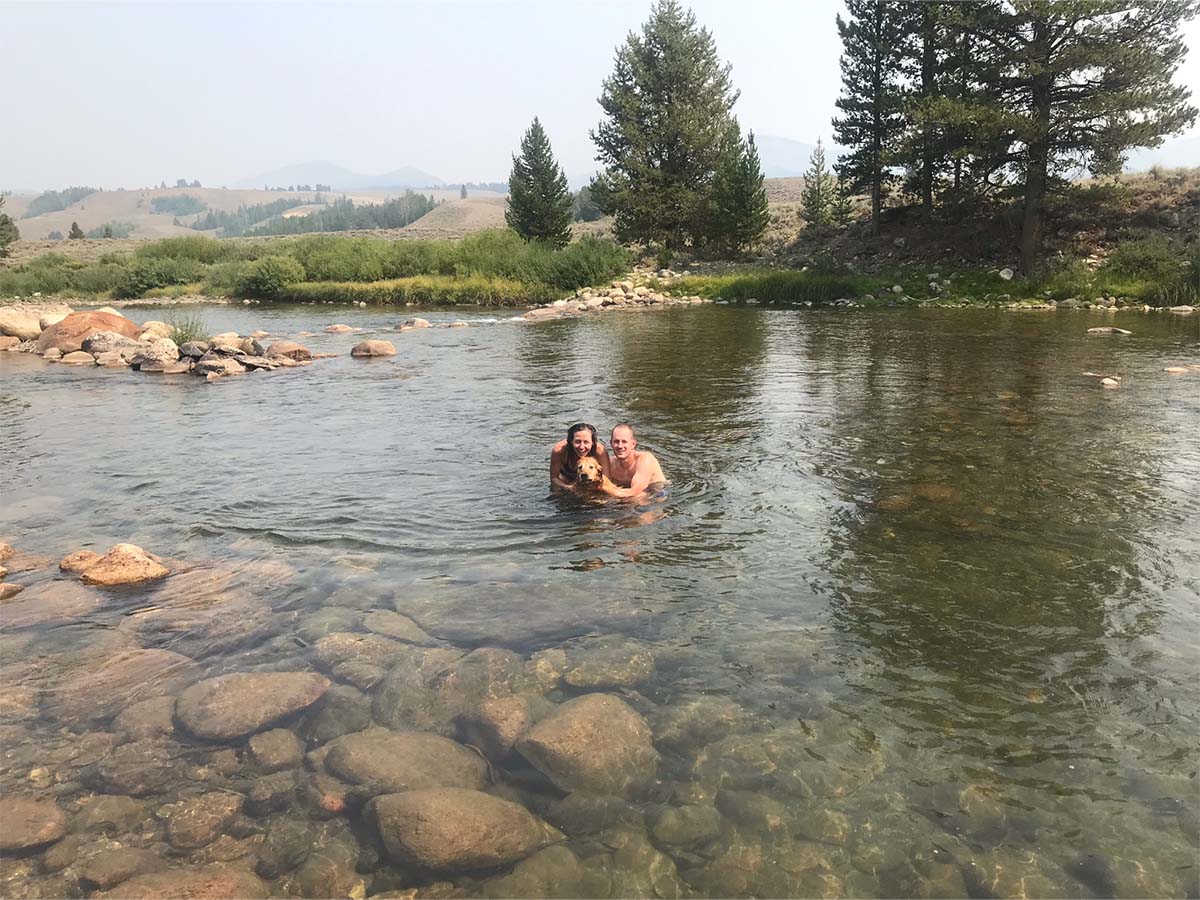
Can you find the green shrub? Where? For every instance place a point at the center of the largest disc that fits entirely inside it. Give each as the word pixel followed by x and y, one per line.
pixel 225 278
pixel 267 277
pixel 146 274
pixel 1182 289
pixel 187 327
pixel 772 287
pixel 178 204
pixel 197 249
pixel 1150 258
pixel 97 278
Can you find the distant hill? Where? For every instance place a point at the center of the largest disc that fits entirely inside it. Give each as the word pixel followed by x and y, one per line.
pixel 340 178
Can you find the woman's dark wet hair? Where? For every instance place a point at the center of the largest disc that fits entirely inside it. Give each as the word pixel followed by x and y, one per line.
pixel 574 430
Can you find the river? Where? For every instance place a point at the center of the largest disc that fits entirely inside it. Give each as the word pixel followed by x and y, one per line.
pixel 917 615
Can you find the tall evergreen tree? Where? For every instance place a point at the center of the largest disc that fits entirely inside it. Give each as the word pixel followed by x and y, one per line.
pixel 76 232
pixel 1077 82
pixel 8 229
pixel 842 208
pixel 923 150
pixel 462 193
pixel 738 214
pixel 872 99
pixel 667 109
pixel 817 196
pixel 539 201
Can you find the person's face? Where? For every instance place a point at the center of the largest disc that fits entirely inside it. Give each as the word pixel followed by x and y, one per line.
pixel 582 442
pixel 622 443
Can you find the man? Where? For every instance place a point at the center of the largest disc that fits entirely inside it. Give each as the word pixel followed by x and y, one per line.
pixel 632 470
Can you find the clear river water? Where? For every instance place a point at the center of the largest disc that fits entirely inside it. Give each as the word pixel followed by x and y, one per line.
pixel 918 614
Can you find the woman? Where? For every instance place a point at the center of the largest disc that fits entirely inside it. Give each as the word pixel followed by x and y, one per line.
pixel 580 442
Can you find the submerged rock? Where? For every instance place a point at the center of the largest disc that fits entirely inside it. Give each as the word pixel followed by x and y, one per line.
pixel 610 661
pixel 429 689
pixel 276 749
pixel 142 768
pixel 111 867
pixel 454 829
pixel 232 706
pixel 98 692
pixel 396 625
pixel 595 743
pixel 203 883
pixel 197 821
pixel 51 601
pixel 390 761
pixel 29 823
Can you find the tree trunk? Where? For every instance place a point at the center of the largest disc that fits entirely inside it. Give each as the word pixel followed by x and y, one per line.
pixel 928 74
pixel 1039 155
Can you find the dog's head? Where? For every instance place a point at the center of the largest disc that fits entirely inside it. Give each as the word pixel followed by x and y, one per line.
pixel 589 471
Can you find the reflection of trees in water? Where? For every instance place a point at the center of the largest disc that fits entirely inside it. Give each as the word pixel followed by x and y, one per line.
pixel 998 537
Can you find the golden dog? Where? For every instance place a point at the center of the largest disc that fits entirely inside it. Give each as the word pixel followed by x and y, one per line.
pixel 591 478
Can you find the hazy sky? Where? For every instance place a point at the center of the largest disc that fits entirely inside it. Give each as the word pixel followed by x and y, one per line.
pixel 129 94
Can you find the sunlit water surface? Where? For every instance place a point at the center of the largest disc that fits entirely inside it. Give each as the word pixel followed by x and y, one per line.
pixel 921 596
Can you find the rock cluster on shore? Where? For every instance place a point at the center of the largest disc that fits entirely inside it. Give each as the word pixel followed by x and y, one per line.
pixel 628 293
pixel 107 338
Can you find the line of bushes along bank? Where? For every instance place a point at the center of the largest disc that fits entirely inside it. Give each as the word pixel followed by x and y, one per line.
pixel 489 267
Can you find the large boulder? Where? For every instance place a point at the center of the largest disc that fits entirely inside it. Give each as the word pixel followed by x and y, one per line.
pixel 373 348
pixel 23 324
pixel 394 761
pixel 156 354
pixel 29 823
pixel 154 329
pixel 455 829
pixel 595 743
pixel 124 564
pixel 69 334
pixel 233 706
pixel 212 364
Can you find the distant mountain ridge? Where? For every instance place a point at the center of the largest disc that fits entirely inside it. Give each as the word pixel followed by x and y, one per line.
pixel 339 178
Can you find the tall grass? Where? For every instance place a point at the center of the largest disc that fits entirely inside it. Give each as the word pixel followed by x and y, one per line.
pixel 187 327
pixel 773 287
pixel 424 290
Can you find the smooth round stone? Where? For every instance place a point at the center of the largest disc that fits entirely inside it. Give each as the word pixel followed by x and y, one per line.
pixel 198 821
pixel 454 829
pixel 233 706
pixel 390 761
pixel 594 743
pixel 26 823
pixel 203 883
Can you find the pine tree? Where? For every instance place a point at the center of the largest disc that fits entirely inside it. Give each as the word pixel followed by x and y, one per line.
pixel 841 210
pixel 462 194
pixel 923 150
pixel 872 99
pixel 817 196
pixel 8 229
pixel 1077 82
pixel 107 232
pixel 667 109
pixel 76 232
pixel 738 215
pixel 539 201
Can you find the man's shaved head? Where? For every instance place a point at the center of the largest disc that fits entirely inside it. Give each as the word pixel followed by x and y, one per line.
pixel 626 426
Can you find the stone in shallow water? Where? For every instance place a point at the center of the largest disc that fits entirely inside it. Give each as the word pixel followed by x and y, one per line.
pixel 142 768
pixel 454 829
pixel 276 749
pixel 429 689
pixel 551 872
pixel 595 743
pixel 639 869
pixel 111 867
pixel 108 812
pixel 203 626
pixel 343 710
pixel 51 601
pixel 78 561
pixel 288 843
pixel 396 625
pixel 124 564
pixel 29 822
pixel 609 661
pixel 236 705
pixel 689 723
pixel 197 821
pixel 357 658
pixel 99 692
pixel 685 826
pixel 203 883
pixel 390 761
pixel 497 723
pixel 145 719
pixel 272 793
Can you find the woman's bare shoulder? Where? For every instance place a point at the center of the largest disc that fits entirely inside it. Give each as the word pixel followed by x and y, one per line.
pixel 560 446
